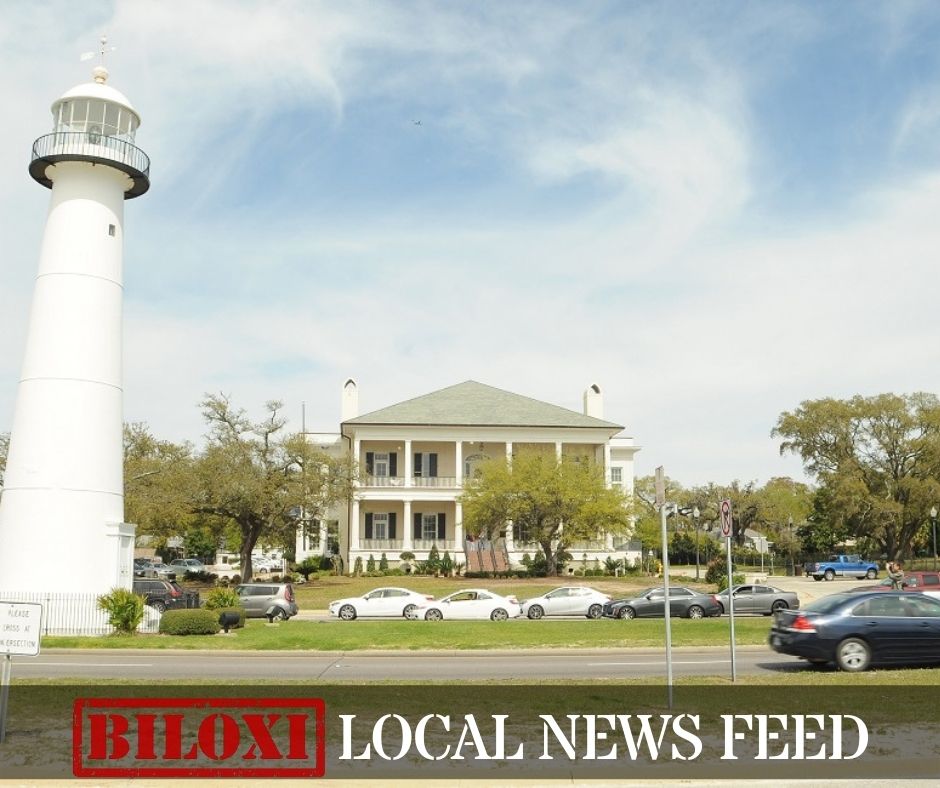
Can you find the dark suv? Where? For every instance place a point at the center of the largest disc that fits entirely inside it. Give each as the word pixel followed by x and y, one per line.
pixel 161 594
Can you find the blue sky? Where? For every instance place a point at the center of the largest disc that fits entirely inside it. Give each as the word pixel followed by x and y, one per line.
pixel 712 210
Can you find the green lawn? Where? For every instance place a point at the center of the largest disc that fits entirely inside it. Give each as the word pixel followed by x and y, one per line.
pixel 460 635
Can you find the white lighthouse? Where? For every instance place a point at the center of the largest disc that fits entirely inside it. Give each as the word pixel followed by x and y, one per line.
pixel 62 527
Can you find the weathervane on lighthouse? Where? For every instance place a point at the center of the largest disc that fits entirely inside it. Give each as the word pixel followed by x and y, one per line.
pixel 63 499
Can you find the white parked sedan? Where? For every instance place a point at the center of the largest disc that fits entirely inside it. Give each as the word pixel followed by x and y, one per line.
pixel 384 602
pixel 567 601
pixel 473 603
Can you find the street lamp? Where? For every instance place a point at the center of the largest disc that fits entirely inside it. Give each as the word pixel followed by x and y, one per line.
pixel 792 564
pixel 933 522
pixel 695 515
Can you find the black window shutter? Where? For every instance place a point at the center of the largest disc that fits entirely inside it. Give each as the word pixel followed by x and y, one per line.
pixel 417 463
pixel 441 526
pixel 432 461
pixel 370 461
pixel 393 464
pixel 392 516
pixel 417 519
pixel 368 525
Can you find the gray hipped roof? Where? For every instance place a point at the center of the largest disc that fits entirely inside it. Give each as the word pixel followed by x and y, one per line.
pixel 475 404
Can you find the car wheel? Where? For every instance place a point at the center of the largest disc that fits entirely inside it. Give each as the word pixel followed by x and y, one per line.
pixel 627 612
pixel 159 606
pixel 594 611
pixel 347 612
pixel 829 575
pixel 433 615
pixel 499 615
pixel 853 655
pixel 871 574
pixel 281 615
pixel 778 605
pixel 695 612
pixel 409 609
pixel 535 612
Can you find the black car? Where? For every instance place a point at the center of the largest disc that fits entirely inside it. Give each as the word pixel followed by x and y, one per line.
pixel 161 594
pixel 651 603
pixel 857 630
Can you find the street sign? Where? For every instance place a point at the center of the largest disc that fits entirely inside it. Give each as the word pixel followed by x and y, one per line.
pixel 660 487
pixel 20 627
pixel 724 511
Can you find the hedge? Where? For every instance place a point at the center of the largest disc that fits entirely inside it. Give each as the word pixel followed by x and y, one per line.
pixel 190 622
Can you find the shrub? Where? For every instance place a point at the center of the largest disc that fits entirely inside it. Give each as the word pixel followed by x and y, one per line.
pixel 447 563
pixel 407 556
pixel 190 622
pixel 370 564
pixel 236 580
pixel 310 565
pixel 200 577
pixel 383 563
pixel 357 567
pixel 717 572
pixel 125 609
pixel 219 598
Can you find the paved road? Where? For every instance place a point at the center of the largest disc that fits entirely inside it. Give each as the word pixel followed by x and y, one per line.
pixel 313 666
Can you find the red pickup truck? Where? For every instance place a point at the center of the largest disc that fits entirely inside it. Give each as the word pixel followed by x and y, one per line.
pixel 922 582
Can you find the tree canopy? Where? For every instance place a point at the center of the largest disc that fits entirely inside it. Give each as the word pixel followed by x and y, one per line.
pixel 551 502
pixel 877 463
pixel 253 475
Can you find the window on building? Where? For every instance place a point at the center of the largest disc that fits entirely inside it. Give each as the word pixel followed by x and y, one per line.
pixel 616 475
pixel 380 464
pixel 429 527
pixel 425 464
pixel 380 526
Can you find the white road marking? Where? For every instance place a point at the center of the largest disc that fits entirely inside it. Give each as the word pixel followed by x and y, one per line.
pixel 91 664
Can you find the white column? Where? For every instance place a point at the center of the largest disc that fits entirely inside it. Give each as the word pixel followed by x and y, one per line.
pixel 353 530
pixel 357 444
pixel 458 462
pixel 509 452
pixel 510 539
pixel 458 527
pixel 609 541
pixel 300 546
pixel 409 473
pixel 607 463
pixel 323 543
pixel 558 450
pixel 408 529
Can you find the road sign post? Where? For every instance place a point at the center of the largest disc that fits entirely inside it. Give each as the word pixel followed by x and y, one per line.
pixel 20 629
pixel 727 522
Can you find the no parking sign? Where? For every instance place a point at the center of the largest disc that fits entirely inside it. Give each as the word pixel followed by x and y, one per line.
pixel 724 510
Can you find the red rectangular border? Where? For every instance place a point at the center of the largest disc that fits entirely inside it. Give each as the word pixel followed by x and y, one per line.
pixel 82 704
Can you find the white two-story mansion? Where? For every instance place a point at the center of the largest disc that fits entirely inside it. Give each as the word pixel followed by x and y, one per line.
pixel 413 458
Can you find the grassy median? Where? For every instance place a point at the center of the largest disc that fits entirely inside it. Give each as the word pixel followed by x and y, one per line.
pixel 460 635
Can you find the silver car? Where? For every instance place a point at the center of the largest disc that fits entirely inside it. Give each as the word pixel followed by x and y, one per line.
pixel 760 599
pixel 273 601
pixel 566 601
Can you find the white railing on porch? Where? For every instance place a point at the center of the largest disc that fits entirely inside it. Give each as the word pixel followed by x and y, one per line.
pixel 381 544
pixel 434 481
